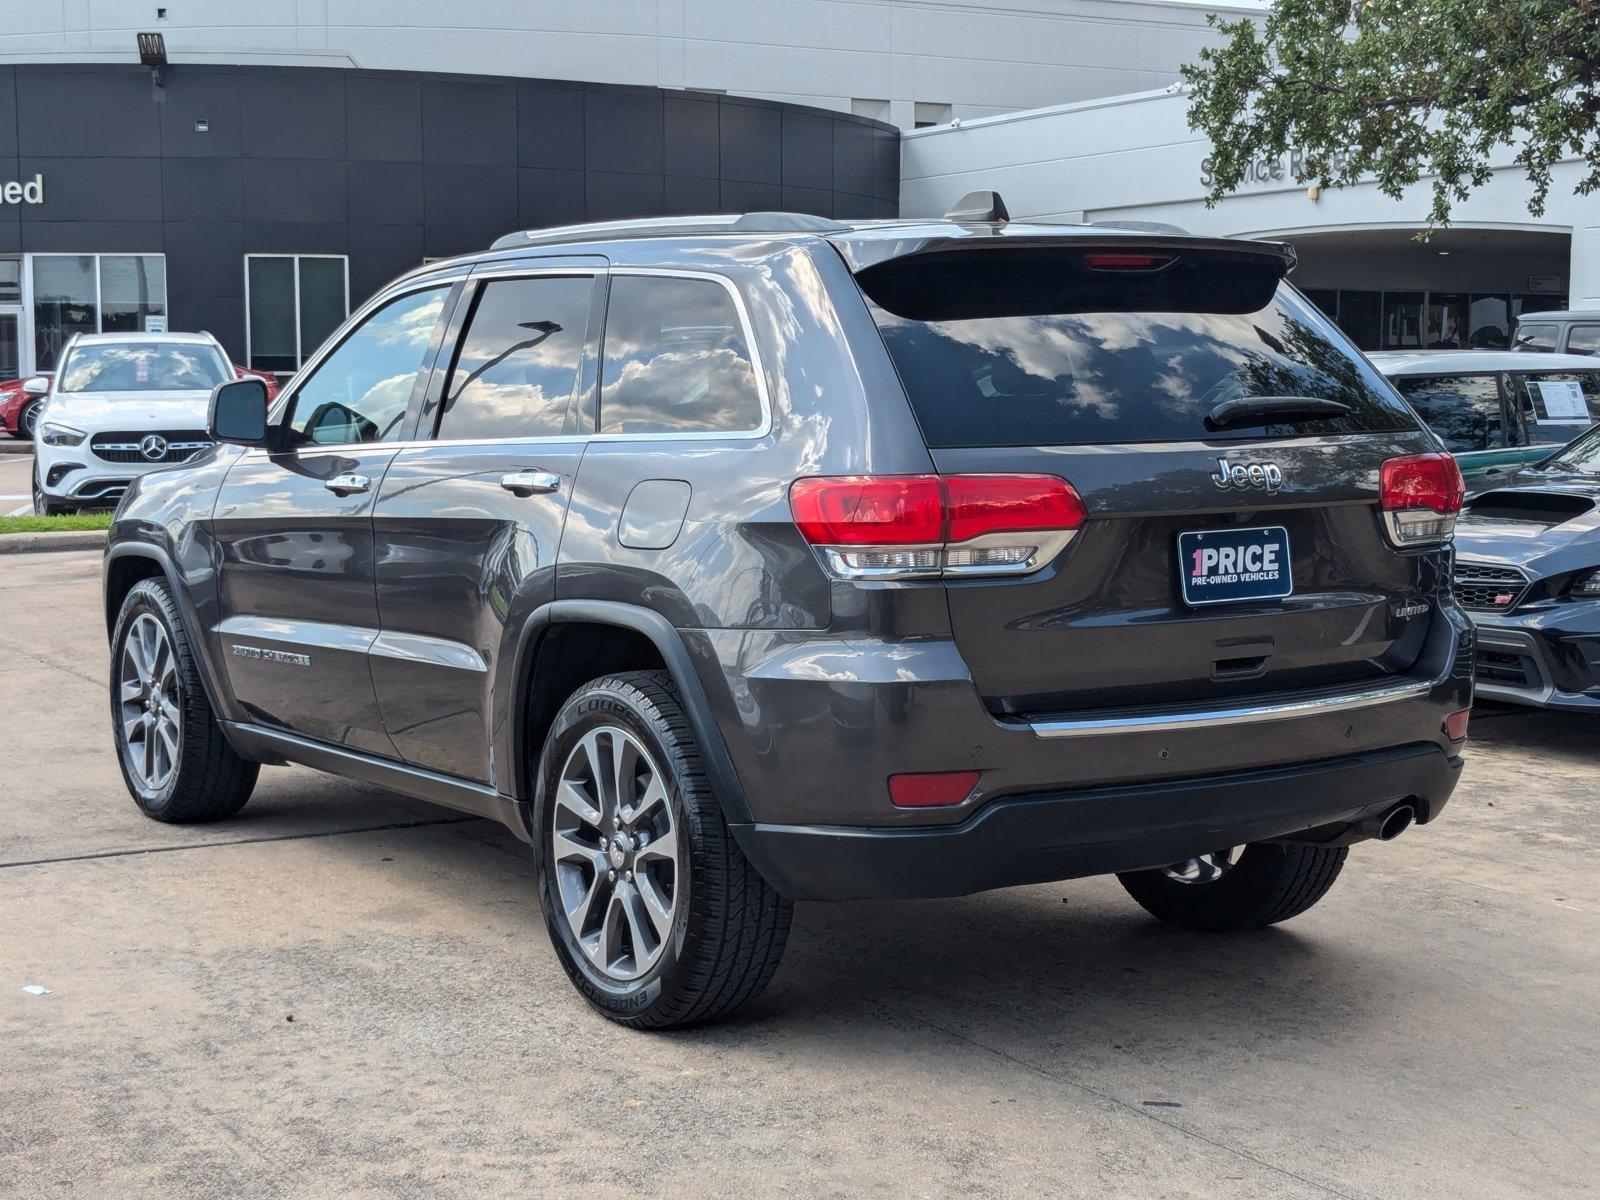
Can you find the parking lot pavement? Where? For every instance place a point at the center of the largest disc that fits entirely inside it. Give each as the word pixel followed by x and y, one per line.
pixel 346 993
pixel 16 482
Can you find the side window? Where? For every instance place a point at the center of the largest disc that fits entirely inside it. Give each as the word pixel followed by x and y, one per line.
pixel 1557 404
pixel 1584 339
pixel 360 392
pixel 1535 337
pixel 675 359
pixel 518 363
pixel 1464 410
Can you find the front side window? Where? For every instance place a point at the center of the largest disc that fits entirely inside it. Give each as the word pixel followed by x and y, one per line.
pixel 675 359
pixel 517 367
pixel 1556 404
pixel 294 301
pixel 1536 337
pixel 1464 410
pixel 142 367
pixel 360 392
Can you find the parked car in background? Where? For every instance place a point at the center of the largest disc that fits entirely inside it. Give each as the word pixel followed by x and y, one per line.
pixel 1496 410
pixel 122 404
pixel 1528 572
pixel 776 558
pixel 19 405
pixel 1568 331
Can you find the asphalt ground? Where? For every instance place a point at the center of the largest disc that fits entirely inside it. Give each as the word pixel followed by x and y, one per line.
pixel 346 993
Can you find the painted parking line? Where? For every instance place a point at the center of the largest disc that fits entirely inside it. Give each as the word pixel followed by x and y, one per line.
pixel 25 511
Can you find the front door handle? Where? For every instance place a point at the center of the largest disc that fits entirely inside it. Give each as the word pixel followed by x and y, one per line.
pixel 344 485
pixel 531 483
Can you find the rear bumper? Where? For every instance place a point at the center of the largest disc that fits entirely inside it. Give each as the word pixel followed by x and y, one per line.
pixel 1064 835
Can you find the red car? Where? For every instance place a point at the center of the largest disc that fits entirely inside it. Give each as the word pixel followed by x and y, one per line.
pixel 19 411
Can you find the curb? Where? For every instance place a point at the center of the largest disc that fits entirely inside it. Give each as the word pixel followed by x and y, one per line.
pixel 34 543
pixel 11 445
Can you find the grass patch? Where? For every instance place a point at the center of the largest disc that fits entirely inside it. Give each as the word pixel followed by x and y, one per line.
pixel 54 524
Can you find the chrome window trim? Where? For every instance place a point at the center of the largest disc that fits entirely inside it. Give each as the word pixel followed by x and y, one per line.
pixel 758 365
pixel 406 287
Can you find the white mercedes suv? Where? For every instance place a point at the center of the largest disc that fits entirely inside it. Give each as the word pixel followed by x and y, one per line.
pixel 121 404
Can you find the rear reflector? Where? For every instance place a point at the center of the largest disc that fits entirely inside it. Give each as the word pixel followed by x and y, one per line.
pixel 936 790
pixel 922 526
pixel 1455 725
pixel 1420 496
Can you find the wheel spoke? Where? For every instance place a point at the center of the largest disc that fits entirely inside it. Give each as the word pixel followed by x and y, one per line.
pixel 569 797
pixel 169 738
pixel 654 793
pixel 131 690
pixel 599 772
pixel 662 846
pixel 569 849
pixel 148 746
pixel 656 905
pixel 639 920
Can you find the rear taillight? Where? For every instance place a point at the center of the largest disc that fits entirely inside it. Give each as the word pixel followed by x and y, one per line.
pixel 926 526
pixel 1420 496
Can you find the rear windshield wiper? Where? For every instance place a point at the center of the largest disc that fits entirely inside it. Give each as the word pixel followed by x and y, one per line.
pixel 1295 408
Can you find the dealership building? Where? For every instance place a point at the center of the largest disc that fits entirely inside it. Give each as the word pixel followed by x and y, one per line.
pixel 266 167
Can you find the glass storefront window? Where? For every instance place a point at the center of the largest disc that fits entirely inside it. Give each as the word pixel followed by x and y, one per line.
pixel 1447 321
pixel 65 301
pixel 10 280
pixel 294 302
pixel 94 293
pixel 1361 318
pixel 133 288
pixel 1489 322
pixel 1431 320
pixel 1402 320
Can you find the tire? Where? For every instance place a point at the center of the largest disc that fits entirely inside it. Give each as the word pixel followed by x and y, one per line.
pixel 720 943
pixel 43 506
pixel 206 780
pixel 27 421
pixel 1268 883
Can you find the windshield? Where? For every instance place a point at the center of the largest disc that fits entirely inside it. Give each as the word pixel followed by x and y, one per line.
pixel 1077 378
pixel 1582 454
pixel 143 367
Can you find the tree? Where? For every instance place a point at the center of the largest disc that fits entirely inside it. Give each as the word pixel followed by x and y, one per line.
pixel 1395 90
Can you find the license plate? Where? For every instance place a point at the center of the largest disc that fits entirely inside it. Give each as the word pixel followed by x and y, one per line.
pixel 1219 566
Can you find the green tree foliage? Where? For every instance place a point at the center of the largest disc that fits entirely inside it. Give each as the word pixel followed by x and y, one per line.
pixel 1395 90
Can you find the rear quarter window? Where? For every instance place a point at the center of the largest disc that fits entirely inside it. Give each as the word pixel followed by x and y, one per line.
pixel 1464 410
pixel 1557 405
pixel 1121 374
pixel 1536 337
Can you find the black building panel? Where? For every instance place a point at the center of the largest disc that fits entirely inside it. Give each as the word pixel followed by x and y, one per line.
pixel 8 112
pixel 693 137
pixel 385 193
pixel 202 189
pixel 752 142
pixel 292 113
pixel 84 237
pixel 200 115
pixel 296 189
pixel 468 122
pixel 94 189
pixel 383 116
pixel 204 258
pixel 550 126
pixel 691 196
pixel 807 150
pixel 613 196
pixel 549 196
pixel 624 130
pixel 86 112
pixel 471 197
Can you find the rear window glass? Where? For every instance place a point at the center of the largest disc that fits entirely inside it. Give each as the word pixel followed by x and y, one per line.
pixel 1464 410
pixel 675 359
pixel 1584 339
pixel 1123 375
pixel 143 367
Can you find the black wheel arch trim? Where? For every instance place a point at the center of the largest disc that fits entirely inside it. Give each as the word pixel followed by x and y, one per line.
pixel 198 643
pixel 668 641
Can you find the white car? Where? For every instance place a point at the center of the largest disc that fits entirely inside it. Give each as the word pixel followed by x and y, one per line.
pixel 119 405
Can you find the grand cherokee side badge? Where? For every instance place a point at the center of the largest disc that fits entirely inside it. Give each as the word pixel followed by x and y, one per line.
pixel 288 657
pixel 1248 475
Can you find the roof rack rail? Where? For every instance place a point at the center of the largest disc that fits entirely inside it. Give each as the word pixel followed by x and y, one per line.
pixel 756 222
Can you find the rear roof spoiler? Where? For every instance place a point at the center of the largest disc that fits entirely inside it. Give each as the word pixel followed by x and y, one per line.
pixel 873 249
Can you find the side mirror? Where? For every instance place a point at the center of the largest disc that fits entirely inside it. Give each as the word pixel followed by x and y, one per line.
pixel 239 412
pixel 36 386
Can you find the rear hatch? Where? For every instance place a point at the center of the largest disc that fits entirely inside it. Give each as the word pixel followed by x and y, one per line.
pixel 1112 365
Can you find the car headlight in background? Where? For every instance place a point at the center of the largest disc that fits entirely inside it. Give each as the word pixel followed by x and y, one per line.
pixel 1587 585
pixel 60 435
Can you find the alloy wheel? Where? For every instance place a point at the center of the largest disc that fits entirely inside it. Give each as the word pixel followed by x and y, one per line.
pixel 616 853
pixel 30 420
pixel 147 702
pixel 1203 868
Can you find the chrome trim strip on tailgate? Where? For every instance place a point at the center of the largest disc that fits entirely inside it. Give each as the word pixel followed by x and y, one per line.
pixel 1244 714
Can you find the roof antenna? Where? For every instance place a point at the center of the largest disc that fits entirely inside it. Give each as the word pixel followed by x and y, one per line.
pixel 979 208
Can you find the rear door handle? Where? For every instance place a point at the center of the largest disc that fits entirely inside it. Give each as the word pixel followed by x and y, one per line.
pixel 531 483
pixel 343 485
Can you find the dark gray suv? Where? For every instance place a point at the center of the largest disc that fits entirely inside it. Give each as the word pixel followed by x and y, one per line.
pixel 738 561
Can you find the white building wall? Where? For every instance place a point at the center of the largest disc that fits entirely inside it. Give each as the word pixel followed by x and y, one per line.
pixel 981 57
pixel 1135 158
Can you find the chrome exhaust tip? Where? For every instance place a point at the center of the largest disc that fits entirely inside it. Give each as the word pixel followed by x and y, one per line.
pixel 1395 822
